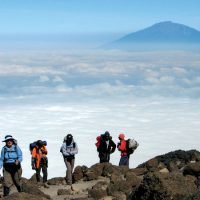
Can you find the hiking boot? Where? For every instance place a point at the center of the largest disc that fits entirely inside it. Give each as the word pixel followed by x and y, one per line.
pixel 68 183
pixel 46 185
pixel 19 188
pixel 72 188
pixel 39 184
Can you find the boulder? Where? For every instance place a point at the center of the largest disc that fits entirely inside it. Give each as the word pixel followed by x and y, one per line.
pixel 172 166
pixel 116 178
pixel 164 170
pixel 91 175
pixel 56 181
pixel 123 184
pixel 132 179
pixel 139 171
pixel 119 195
pixel 152 164
pixel 78 174
pixel 98 168
pixel 84 169
pixel 195 196
pixel 33 179
pixel 98 191
pixel 192 169
pixel 24 196
pixel 173 161
pixel 34 190
pixel 110 169
pixel 161 186
pixel 95 171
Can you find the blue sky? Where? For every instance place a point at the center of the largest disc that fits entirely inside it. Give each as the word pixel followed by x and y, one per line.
pixel 92 16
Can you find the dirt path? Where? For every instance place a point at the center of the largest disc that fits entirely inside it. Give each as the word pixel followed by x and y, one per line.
pixel 80 189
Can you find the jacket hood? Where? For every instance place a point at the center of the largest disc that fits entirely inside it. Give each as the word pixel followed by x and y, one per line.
pixel 121 136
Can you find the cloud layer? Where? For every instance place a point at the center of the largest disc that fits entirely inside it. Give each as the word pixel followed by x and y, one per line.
pixel 159 125
pixel 110 73
pixel 152 97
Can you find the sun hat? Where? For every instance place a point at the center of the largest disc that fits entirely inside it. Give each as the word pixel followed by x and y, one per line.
pixel 8 137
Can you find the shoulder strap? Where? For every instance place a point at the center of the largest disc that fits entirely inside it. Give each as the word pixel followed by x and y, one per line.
pixel 16 150
pixel 5 150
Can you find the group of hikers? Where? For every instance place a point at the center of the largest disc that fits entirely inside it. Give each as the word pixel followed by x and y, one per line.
pixel 106 146
pixel 11 157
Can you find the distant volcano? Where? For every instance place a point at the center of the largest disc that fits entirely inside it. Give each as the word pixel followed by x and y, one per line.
pixel 160 34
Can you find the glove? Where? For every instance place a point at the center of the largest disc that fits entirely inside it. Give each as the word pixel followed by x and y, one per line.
pixel 33 162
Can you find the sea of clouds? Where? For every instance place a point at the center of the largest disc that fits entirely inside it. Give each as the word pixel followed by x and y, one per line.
pixel 150 96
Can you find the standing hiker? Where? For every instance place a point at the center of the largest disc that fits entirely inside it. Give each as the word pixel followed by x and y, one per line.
pixel 122 147
pixel 106 147
pixel 126 147
pixel 40 160
pixel 11 158
pixel 68 149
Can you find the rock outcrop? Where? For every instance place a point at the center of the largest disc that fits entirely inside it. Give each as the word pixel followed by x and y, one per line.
pixel 175 175
pixel 159 186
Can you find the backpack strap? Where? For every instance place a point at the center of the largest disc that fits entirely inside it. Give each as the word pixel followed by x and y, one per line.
pixel 5 150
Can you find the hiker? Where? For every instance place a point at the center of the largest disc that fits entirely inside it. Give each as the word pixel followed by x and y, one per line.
pixel 11 158
pixel 106 147
pixel 40 161
pixel 126 147
pixel 122 147
pixel 68 149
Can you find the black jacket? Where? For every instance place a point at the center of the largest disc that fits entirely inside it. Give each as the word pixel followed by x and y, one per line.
pixel 105 150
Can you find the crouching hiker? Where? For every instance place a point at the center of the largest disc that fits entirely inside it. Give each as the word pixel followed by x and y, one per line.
pixel 39 160
pixel 11 158
pixel 68 149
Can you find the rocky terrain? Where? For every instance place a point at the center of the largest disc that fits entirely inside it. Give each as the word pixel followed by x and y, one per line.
pixel 173 176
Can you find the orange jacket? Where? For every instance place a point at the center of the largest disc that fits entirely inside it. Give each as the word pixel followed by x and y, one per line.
pixel 37 154
pixel 122 148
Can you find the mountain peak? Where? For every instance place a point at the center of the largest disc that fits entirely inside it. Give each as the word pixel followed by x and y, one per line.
pixel 163 32
pixel 166 33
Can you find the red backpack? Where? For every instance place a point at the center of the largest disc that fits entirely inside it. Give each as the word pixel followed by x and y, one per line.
pixel 98 141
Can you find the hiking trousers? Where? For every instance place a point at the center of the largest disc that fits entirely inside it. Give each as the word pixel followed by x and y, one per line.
pixel 104 157
pixel 44 171
pixel 70 166
pixel 10 178
pixel 124 161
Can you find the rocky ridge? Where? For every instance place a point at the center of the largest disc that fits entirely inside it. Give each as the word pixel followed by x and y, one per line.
pixel 173 176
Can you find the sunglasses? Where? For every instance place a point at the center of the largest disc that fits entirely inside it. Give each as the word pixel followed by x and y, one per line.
pixel 9 140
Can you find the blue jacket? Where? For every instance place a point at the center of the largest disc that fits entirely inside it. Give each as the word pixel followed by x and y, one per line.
pixel 10 155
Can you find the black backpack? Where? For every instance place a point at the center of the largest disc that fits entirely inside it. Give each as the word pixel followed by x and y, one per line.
pixel 33 145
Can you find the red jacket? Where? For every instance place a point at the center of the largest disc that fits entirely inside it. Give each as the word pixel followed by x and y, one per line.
pixel 122 148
